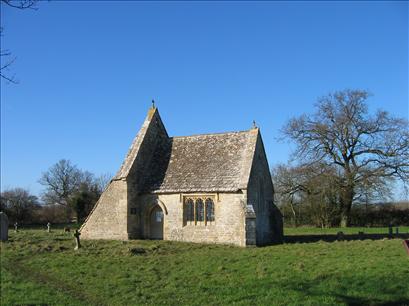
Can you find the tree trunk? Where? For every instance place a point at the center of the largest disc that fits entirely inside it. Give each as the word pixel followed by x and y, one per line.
pixel 348 196
pixel 344 219
pixel 294 213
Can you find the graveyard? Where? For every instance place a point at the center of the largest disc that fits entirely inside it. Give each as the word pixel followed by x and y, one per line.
pixel 276 173
pixel 41 267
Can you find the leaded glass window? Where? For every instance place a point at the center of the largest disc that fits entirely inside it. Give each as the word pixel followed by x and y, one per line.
pixel 199 210
pixel 209 210
pixel 189 210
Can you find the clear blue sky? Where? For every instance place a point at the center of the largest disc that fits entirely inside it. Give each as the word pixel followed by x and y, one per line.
pixel 88 71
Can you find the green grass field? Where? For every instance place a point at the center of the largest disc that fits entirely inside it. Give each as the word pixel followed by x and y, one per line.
pixel 42 268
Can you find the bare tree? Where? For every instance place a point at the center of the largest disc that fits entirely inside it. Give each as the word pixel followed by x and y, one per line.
pixel 102 181
pixel 288 186
pixel 61 181
pixel 309 191
pixel 363 147
pixel 21 4
pixel 5 55
pixel 75 189
pixel 18 203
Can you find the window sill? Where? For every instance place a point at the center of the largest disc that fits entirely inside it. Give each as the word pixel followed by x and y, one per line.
pixel 199 224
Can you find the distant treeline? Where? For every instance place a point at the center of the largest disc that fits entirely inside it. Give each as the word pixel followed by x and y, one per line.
pixel 373 215
pixel 69 195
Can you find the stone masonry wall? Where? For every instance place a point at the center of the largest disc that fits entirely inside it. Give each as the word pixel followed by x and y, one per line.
pixel 228 227
pixel 260 194
pixel 108 219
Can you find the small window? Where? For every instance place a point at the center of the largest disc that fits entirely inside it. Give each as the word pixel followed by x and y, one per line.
pixel 158 216
pixel 209 210
pixel 133 211
pixel 189 210
pixel 199 210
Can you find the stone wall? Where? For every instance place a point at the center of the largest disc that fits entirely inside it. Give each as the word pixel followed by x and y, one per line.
pixel 228 227
pixel 108 218
pixel 260 195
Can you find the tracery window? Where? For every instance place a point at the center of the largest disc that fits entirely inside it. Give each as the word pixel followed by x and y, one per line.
pixel 189 210
pixel 209 209
pixel 198 210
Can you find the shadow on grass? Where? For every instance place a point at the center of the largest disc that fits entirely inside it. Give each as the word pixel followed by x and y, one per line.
pixel 345 237
pixel 385 294
pixel 356 301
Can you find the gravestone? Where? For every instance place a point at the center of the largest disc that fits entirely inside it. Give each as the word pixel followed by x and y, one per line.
pixel 16 227
pixel 48 227
pixel 77 240
pixel 4 227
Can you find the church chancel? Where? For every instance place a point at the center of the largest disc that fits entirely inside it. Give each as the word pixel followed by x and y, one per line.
pixel 211 188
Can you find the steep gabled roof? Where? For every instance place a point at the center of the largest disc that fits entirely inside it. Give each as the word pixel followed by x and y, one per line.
pixel 203 163
pixel 200 163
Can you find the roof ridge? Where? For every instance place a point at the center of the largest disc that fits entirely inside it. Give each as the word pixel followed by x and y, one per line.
pixel 213 134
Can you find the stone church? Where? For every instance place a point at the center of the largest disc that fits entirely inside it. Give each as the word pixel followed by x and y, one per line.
pixel 211 188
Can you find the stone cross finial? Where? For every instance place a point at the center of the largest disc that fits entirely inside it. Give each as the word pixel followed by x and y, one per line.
pixel 254 124
pixel 153 103
pixel 77 240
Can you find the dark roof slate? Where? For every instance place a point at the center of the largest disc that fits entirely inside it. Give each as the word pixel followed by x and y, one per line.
pixel 202 163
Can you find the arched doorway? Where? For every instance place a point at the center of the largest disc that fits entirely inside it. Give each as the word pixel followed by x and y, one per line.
pixel 156 223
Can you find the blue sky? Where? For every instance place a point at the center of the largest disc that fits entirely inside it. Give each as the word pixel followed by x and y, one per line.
pixel 87 72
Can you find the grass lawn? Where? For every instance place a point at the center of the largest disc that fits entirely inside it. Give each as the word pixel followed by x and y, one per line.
pixel 42 268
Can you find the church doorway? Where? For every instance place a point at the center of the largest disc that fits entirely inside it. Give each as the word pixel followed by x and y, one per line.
pixel 156 223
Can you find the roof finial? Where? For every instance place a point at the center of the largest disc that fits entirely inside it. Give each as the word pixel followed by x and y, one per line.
pixel 153 103
pixel 254 124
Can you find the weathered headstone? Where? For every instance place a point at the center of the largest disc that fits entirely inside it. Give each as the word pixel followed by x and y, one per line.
pixel 77 240
pixel 4 227
pixel 48 227
pixel 16 227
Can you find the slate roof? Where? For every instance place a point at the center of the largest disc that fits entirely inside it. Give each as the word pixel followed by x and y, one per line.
pixel 202 163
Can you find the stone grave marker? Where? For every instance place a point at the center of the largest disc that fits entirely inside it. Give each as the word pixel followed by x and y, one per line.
pixel 4 227
pixel 77 240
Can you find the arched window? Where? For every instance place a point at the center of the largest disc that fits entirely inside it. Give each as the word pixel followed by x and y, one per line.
pixel 189 210
pixel 209 210
pixel 199 210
